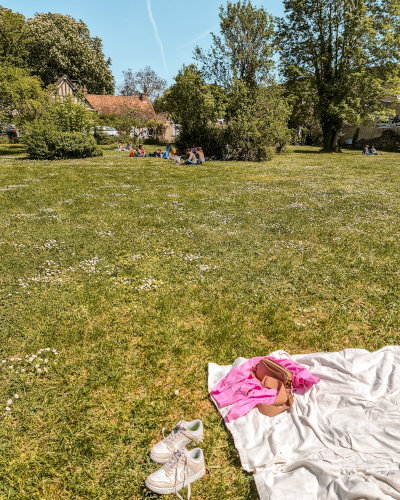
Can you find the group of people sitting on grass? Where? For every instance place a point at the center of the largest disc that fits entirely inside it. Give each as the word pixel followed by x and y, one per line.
pixel 193 156
pixel 127 147
pixel 367 151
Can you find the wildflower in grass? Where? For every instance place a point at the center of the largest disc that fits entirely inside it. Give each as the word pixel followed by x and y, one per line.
pixel 176 393
pixel 37 366
pixel 190 257
pixel 8 409
pixel 9 402
pixel 10 367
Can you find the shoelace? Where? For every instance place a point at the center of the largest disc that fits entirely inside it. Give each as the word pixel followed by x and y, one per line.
pixel 180 456
pixel 178 432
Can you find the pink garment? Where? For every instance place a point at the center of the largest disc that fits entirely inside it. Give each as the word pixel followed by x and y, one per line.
pixel 241 389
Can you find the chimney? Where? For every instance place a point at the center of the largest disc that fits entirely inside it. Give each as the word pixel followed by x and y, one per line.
pixel 144 97
pixel 85 92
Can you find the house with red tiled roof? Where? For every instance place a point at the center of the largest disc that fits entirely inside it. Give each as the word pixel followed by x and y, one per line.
pixel 108 104
pixel 115 104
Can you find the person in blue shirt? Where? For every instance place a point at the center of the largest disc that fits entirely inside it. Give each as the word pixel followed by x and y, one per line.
pixel 167 151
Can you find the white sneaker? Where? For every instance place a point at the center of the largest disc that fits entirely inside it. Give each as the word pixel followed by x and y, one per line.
pixel 182 469
pixel 183 434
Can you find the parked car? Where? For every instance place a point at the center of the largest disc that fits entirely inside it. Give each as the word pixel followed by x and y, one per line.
pixel 107 130
pixel 10 130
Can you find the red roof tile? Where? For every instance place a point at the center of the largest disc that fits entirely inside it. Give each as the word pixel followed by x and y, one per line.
pixel 111 104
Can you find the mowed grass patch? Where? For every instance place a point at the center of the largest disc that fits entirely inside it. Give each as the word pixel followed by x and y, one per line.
pixel 138 273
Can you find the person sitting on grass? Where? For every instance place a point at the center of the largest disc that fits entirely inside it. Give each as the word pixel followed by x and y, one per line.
pixel 128 147
pixel 200 156
pixel 157 153
pixel 373 151
pixel 167 151
pixel 190 158
pixel 365 150
pixel 194 149
pixel 120 147
pixel 177 160
pixel 141 151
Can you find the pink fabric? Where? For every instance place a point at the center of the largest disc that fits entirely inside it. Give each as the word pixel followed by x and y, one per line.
pixel 241 389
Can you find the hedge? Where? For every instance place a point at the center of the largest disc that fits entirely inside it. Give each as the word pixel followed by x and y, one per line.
pixel 44 141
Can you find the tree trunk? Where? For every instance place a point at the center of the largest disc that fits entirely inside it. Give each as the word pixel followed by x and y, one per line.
pixel 335 137
pixel 331 131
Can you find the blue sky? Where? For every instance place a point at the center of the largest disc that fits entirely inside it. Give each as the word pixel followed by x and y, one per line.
pixel 138 33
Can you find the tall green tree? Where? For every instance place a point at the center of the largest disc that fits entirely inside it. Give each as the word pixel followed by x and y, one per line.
pixel 22 98
pixel 241 61
pixel 346 54
pixel 59 45
pixel 190 101
pixel 13 38
pixel 195 106
pixel 245 49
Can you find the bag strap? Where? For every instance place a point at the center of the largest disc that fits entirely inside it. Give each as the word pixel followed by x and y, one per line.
pixel 282 401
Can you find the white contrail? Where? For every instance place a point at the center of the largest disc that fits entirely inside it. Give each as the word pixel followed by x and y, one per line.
pixel 158 39
pixel 199 37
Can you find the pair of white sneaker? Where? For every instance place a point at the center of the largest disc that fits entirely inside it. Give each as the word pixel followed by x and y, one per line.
pixel 181 467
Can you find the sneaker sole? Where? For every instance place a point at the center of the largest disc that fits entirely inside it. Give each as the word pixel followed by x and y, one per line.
pixel 167 491
pixel 165 460
pixel 159 460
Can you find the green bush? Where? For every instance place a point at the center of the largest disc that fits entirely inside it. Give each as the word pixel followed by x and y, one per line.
pixel 154 141
pixel 103 139
pixel 44 141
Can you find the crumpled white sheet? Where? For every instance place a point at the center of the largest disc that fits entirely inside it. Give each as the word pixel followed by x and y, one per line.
pixel 341 440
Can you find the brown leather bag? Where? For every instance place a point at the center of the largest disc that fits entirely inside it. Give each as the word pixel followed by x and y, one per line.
pixel 272 375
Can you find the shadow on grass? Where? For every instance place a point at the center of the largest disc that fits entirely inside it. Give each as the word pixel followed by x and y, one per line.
pixel 11 150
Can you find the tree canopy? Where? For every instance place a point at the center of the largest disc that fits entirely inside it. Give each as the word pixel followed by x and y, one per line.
pixel 61 45
pixel 343 53
pixel 244 50
pixel 22 98
pixel 13 38
pixel 146 81
pixel 240 65
pixel 230 104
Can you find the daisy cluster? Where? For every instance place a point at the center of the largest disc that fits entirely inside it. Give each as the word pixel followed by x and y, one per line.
pixel 27 366
pixel 54 273
pixel 105 233
pixel 149 284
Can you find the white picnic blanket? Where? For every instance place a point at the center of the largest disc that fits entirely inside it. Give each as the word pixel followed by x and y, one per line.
pixel 341 440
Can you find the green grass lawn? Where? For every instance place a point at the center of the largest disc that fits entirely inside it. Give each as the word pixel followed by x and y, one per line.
pixel 138 273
